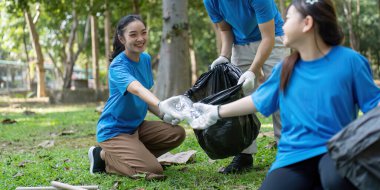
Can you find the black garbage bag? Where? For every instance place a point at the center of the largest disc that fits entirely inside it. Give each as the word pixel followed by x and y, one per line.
pixel 220 78
pixel 229 136
pixel 356 151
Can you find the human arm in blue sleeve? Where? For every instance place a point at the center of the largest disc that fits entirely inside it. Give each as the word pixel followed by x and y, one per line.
pixel 366 93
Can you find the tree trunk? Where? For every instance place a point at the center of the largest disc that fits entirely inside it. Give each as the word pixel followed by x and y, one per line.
pixel 95 53
pixel 29 78
pixel 136 7
pixel 357 7
pixel 174 71
pixel 69 62
pixel 41 88
pixel 107 36
pixel 57 70
pixel 348 14
pixel 71 56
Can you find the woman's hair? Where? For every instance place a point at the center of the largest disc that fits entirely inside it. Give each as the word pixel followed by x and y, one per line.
pixel 123 22
pixel 325 23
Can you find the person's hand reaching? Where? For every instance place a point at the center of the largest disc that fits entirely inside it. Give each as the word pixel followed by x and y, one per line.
pixel 210 115
pixel 248 80
pixel 168 107
pixel 219 60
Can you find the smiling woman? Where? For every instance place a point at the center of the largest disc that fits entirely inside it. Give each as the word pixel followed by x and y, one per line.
pixel 128 144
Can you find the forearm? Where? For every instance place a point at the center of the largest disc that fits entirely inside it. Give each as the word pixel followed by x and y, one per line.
pixel 263 52
pixel 227 40
pixel 239 107
pixel 137 89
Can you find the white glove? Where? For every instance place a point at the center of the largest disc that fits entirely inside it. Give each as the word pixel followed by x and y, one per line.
pixel 248 78
pixel 219 60
pixel 168 106
pixel 209 117
pixel 170 119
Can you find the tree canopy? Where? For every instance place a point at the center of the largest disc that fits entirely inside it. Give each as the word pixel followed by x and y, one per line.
pixel 62 30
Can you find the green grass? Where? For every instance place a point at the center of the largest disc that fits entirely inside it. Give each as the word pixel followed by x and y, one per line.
pixel 23 163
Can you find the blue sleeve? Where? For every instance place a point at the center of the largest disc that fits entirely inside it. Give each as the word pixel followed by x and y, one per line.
pixel 212 11
pixel 266 97
pixel 151 81
pixel 366 93
pixel 264 10
pixel 151 72
pixel 121 77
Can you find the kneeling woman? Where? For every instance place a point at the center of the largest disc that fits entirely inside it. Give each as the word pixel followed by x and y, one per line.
pixel 128 144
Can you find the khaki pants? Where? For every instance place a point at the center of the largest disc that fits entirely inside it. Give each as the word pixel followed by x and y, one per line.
pixel 242 57
pixel 128 154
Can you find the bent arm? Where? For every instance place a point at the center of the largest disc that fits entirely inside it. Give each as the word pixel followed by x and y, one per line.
pixel 226 36
pixel 139 90
pixel 265 47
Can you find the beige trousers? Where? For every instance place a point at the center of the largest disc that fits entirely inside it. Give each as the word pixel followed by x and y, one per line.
pixel 242 56
pixel 128 154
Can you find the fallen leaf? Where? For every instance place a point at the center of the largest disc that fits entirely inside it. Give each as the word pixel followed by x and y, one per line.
pixel 18 174
pixel 221 169
pixel 67 160
pixel 155 177
pixel 271 145
pixel 184 169
pixel 179 158
pixel 115 185
pixel 139 175
pixel 46 144
pixel 68 132
pixel 211 161
pixel 23 163
pixel 8 121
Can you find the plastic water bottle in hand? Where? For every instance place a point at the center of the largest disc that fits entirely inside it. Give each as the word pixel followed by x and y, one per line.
pixel 185 107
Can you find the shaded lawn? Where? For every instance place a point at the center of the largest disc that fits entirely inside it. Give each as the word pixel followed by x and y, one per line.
pixel 23 163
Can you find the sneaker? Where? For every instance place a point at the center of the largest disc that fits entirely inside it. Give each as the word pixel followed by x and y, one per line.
pixel 97 165
pixel 241 163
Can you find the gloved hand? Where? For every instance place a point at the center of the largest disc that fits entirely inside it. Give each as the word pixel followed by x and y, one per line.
pixel 168 106
pixel 170 119
pixel 248 78
pixel 210 115
pixel 219 60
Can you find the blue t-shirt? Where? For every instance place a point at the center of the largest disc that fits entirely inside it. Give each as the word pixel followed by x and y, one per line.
pixel 322 97
pixel 124 111
pixel 244 16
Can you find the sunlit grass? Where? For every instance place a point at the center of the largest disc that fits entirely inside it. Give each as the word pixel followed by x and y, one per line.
pixel 23 163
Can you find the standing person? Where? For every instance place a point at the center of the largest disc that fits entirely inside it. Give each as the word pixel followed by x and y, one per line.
pixel 251 33
pixel 318 89
pixel 129 144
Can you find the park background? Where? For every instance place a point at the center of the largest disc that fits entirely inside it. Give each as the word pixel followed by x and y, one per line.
pixel 53 70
